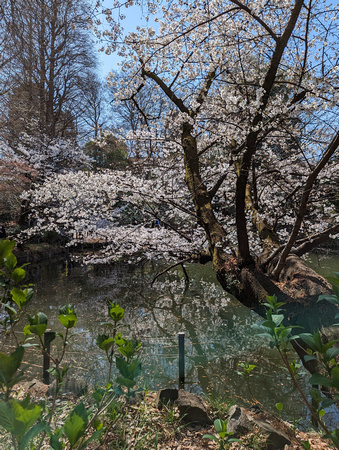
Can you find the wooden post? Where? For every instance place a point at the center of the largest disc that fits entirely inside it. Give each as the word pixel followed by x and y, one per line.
pixel 48 337
pixel 181 339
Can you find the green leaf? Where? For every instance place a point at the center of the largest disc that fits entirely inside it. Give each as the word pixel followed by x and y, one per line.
pixel 330 298
pixel 321 413
pixel 10 364
pixel 320 380
pixel 279 406
pixel 332 353
pixel 310 358
pixel 32 433
pixel 116 312
pixel 210 436
pixel 18 275
pixel 19 297
pixel 26 414
pixel 104 342
pixel 220 425
pixel 67 316
pixel 76 424
pixel 10 309
pixel 74 428
pixel 6 248
pixel 37 324
pixel 335 376
pixel 55 443
pixel 10 262
pixel 123 381
pixel 327 402
pixel 7 419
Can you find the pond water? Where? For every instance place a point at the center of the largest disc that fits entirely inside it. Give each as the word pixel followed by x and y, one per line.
pixel 218 329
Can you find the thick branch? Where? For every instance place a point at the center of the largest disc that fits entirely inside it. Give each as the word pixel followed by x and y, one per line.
pixel 251 141
pixel 303 204
pixel 170 94
pixel 316 240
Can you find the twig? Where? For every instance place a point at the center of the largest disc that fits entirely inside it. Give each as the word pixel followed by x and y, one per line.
pixel 171 267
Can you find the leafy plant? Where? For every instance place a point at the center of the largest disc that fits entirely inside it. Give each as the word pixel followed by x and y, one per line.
pixel 245 371
pixel 324 353
pixel 14 294
pixel 225 438
pixel 127 362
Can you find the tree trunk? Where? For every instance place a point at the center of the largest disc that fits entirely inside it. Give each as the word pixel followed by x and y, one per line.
pixel 298 287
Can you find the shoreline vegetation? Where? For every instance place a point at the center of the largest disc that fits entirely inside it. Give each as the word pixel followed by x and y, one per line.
pixel 140 424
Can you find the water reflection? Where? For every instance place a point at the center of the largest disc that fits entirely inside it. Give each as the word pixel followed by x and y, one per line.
pixel 218 329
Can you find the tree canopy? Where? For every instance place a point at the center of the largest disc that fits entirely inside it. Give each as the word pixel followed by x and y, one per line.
pixel 236 142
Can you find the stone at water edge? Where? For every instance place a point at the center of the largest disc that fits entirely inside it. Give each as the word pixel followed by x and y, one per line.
pixel 192 408
pixel 241 422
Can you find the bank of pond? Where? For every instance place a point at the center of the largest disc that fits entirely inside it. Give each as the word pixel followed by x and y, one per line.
pixel 219 332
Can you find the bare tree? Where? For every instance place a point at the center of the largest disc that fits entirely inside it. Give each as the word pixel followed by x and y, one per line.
pixel 51 56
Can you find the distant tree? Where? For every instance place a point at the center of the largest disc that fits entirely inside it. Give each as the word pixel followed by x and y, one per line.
pixel 52 55
pixel 108 152
pixel 94 115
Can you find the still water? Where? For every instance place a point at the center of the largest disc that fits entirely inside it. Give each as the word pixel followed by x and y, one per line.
pixel 218 329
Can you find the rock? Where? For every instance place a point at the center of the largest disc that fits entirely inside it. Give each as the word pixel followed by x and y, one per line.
pixel 165 397
pixel 275 439
pixel 241 421
pixel 192 408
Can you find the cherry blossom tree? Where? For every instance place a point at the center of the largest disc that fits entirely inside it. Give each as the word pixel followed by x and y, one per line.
pixel 245 173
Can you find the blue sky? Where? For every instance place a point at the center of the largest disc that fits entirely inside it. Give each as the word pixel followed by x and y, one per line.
pixel 135 16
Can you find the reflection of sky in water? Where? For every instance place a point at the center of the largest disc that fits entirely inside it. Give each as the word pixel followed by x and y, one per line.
pixel 218 329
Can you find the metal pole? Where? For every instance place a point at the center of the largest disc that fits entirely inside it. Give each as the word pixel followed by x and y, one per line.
pixel 48 337
pixel 181 339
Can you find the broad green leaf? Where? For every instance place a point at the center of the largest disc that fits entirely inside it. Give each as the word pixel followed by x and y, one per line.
pixel 67 316
pixel 123 381
pixel 104 342
pixel 7 419
pixel 279 406
pixel 19 297
pixel 320 380
pixel 10 262
pixel 122 366
pixel 210 436
pixel 74 428
pixel 116 312
pixel 10 309
pixel 26 415
pixel 335 376
pixel 32 433
pixel 310 358
pixel 6 248
pixel 330 298
pixel 55 443
pixel 327 402
pixel 37 324
pixel 76 424
pixel 68 321
pixel 9 364
pixel 332 353
pixel 18 275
